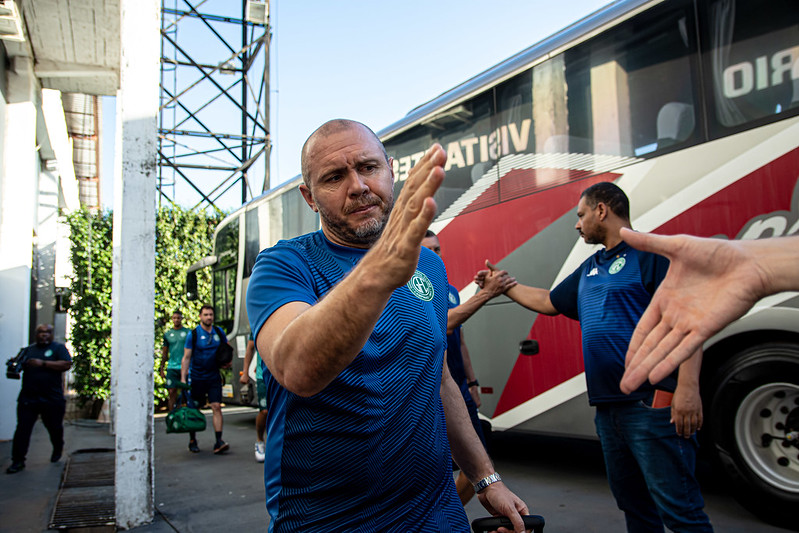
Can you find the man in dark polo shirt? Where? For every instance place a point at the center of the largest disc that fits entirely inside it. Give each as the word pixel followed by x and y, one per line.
pixel 42 394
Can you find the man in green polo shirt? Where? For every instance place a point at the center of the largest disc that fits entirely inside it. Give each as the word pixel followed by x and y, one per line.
pixel 172 355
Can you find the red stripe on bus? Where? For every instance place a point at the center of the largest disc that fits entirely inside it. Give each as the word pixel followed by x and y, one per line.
pixel 560 356
pixel 474 236
pixel 559 359
pixel 764 191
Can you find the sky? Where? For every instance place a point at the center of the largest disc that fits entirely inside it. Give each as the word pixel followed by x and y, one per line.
pixel 374 61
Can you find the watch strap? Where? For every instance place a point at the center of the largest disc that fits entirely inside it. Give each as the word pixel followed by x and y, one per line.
pixel 486 481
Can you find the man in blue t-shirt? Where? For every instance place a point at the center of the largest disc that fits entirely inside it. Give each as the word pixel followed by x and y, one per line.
pixel 42 394
pixel 458 360
pixel 647 436
pixel 199 356
pixel 351 322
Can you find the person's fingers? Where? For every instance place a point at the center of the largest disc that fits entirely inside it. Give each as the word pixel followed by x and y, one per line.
pixel 667 364
pixel 642 364
pixel 647 242
pixel 648 321
pixel 636 371
pixel 490 266
pixel 677 420
pixel 419 184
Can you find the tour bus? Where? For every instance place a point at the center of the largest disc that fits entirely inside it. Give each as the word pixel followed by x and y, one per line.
pixel 691 107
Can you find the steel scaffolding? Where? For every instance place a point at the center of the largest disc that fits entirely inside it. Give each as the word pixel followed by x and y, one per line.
pixel 213 122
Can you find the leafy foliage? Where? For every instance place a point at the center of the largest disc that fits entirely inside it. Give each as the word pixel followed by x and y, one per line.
pixel 92 259
pixel 182 238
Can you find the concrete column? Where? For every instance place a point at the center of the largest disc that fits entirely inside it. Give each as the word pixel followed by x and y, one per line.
pixel 18 184
pixel 133 290
pixel 610 105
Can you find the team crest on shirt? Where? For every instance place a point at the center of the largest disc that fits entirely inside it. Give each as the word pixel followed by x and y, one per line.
pixel 617 265
pixel 48 353
pixel 452 299
pixel 420 286
pixel 182 334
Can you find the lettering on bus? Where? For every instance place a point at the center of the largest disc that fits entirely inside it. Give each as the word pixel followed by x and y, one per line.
pixel 774 224
pixel 742 78
pixel 507 139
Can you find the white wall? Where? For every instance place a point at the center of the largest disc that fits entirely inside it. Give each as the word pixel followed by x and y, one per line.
pixel 18 193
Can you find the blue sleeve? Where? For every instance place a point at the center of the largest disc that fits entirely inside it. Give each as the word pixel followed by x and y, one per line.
pixel 187 344
pixel 280 276
pixel 653 270
pixel 564 295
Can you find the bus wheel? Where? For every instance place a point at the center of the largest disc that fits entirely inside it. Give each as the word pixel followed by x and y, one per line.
pixel 754 427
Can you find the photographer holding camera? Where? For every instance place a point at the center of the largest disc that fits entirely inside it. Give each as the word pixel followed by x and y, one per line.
pixel 42 393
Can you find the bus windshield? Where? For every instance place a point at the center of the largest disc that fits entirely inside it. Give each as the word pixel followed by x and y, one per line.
pixel 224 277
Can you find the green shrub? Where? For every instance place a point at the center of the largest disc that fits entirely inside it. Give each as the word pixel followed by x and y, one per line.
pixel 182 238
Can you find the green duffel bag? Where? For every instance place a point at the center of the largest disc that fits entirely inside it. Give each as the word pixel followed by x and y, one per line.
pixel 184 418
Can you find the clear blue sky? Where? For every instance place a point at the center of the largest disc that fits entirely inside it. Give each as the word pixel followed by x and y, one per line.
pixel 375 60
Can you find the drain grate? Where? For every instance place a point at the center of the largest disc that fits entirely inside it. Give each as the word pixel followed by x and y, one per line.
pixel 86 496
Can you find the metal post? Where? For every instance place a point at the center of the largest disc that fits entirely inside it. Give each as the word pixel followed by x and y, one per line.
pixel 133 292
pixel 267 100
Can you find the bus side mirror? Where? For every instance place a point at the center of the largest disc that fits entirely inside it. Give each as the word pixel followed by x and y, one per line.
pixel 191 286
pixel 528 347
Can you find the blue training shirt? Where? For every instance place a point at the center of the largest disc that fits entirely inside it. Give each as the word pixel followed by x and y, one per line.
pixel 370 451
pixel 203 356
pixel 608 293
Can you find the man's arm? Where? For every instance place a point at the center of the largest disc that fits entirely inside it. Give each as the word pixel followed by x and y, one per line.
pixel 474 390
pixel 164 359
pixel 532 298
pixel 306 346
pixel 248 353
pixel 710 283
pixel 55 366
pixel 184 363
pixel 686 407
pixel 470 455
pixel 492 287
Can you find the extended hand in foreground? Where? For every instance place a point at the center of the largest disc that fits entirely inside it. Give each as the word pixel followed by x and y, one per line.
pixel 710 283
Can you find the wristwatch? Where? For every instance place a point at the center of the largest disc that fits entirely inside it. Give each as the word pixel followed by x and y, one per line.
pixel 486 481
pixel 474 383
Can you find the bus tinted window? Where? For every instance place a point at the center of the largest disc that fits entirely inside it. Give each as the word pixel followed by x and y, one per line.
pixel 252 241
pixel 298 218
pixel 752 58
pixel 224 277
pixel 466 133
pixel 628 92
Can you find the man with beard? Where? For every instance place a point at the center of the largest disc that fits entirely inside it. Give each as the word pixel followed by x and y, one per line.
pixel 199 357
pixel 351 322
pixel 647 437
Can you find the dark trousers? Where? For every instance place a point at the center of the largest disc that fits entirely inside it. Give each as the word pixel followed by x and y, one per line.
pixel 52 413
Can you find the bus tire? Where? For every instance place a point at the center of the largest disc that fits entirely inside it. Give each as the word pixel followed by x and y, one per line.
pixel 754 407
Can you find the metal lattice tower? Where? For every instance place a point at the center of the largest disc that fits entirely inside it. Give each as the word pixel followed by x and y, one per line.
pixel 213 122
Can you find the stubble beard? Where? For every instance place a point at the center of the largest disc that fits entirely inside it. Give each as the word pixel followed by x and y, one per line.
pixel 363 235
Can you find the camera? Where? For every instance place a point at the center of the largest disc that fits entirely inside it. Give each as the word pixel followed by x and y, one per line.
pixel 14 365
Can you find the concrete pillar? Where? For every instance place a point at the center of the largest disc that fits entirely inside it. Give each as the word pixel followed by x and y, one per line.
pixel 133 290
pixel 18 184
pixel 610 105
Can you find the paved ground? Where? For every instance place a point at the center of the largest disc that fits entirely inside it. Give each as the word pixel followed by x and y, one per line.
pixel 560 479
